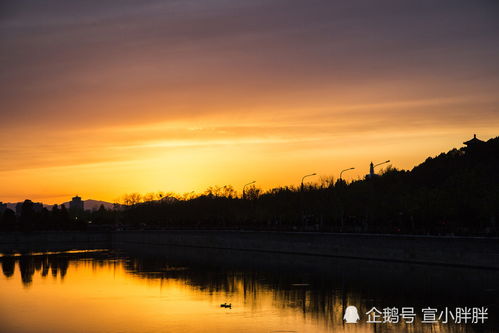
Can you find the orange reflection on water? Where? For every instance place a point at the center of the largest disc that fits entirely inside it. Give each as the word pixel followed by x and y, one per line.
pixel 77 292
pixel 103 297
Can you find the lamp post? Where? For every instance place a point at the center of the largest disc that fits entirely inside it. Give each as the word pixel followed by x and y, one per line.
pixel 310 175
pixel 345 170
pixel 244 187
pixel 371 167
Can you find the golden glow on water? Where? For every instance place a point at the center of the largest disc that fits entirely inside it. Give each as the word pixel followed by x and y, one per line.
pixel 85 291
pixel 105 298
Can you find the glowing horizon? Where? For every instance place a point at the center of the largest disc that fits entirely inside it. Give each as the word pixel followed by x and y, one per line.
pixel 101 100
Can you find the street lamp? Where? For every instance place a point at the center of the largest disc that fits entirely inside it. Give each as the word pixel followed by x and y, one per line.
pixel 312 174
pixel 247 185
pixel 382 163
pixel 345 170
pixel 371 167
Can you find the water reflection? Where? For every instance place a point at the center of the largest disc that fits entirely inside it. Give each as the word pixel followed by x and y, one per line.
pixel 268 291
pixel 322 288
pixel 8 265
pixel 29 264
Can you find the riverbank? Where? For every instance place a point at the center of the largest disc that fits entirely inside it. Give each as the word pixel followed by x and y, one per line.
pixel 455 251
pixel 19 242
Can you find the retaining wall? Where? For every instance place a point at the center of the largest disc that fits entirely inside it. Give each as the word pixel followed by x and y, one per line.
pixel 460 251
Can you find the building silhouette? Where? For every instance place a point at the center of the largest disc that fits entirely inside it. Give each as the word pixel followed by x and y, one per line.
pixel 76 206
pixel 473 142
pixel 37 207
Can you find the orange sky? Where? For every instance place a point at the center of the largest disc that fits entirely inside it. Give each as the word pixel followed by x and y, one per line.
pixel 100 100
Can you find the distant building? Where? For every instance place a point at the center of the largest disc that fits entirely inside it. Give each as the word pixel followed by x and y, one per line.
pixel 76 206
pixel 36 206
pixel 473 142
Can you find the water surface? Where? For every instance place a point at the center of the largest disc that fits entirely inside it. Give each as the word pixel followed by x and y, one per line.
pixel 172 289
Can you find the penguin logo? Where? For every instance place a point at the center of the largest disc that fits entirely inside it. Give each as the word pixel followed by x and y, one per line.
pixel 351 315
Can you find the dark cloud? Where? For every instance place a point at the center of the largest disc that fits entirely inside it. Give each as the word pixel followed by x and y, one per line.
pixel 54 46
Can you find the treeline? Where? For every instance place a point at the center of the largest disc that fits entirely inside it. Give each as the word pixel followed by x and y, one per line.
pixel 455 193
pixel 33 218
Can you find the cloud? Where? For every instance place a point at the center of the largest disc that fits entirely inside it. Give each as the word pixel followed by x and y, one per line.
pixel 190 56
pixel 320 129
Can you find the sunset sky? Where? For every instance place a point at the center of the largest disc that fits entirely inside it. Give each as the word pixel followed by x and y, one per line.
pixel 102 98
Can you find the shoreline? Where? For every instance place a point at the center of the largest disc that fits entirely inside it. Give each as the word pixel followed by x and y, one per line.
pixel 475 252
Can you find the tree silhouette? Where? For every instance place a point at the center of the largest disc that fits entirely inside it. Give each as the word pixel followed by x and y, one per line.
pixel 8 221
pixel 453 193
